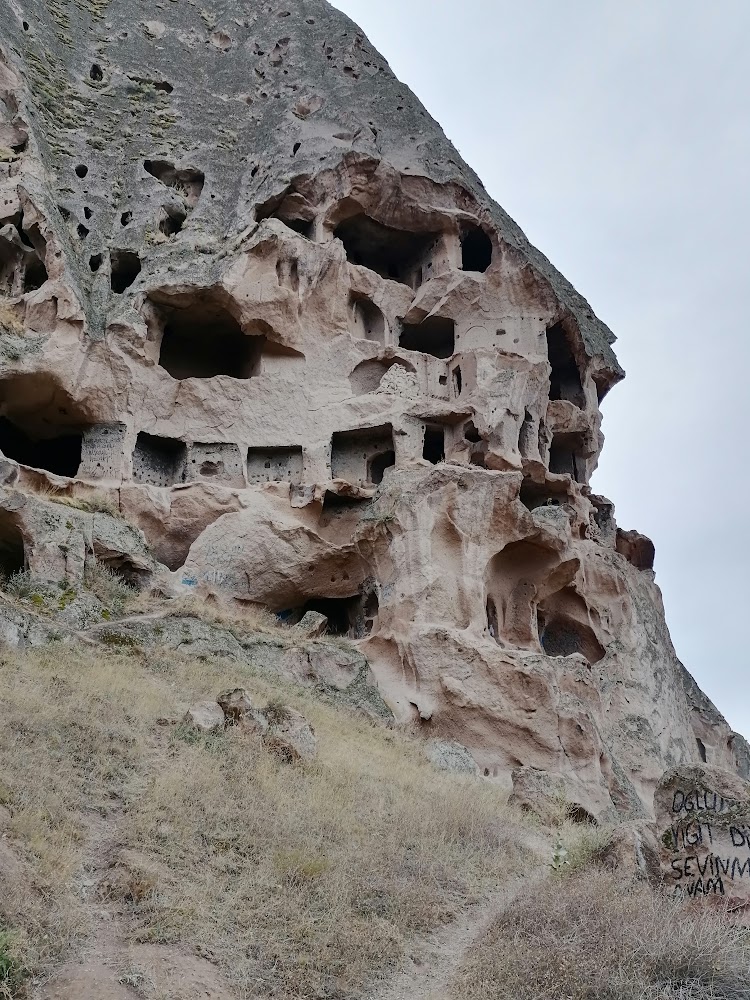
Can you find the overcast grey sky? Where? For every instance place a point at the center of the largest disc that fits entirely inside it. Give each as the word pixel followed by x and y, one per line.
pixel 618 137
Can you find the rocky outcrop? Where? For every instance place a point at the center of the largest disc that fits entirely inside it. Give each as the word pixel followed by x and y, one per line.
pixel 311 365
pixel 703 819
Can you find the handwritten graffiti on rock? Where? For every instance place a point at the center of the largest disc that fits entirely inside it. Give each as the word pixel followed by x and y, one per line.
pixel 701 801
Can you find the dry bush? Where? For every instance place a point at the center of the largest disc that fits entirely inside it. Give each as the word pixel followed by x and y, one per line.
pixel 594 935
pixel 95 502
pixel 299 881
pixel 114 592
pixel 245 618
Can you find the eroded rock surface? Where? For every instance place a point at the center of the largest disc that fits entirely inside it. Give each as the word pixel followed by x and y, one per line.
pixel 282 328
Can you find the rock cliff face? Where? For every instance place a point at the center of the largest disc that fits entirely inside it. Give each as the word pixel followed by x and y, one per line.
pixel 250 291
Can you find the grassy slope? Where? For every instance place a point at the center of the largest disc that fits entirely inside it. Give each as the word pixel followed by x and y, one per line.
pixel 297 881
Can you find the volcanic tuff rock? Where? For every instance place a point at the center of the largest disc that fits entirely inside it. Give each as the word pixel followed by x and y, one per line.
pixel 252 294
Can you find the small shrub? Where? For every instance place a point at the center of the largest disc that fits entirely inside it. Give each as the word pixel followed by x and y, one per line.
pixel 12 973
pixel 118 640
pixel 22 586
pixel 584 844
pixel 276 712
pixel 110 588
pixel 299 868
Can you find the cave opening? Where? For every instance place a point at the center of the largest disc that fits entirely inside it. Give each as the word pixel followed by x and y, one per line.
pixel 564 629
pixel 187 182
pixel 533 495
pixel 203 340
pixel 434 335
pixel 304 227
pixel 12 552
pixel 391 253
pixel 341 612
pixel 60 455
pixel 159 461
pixel 476 250
pixel 377 465
pixel 369 322
pixel 35 274
pixel 433 448
pixel 565 379
pixel 566 456
pixel 354 454
pixel 125 266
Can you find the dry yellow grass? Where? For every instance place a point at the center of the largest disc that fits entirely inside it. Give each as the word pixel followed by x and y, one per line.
pixel 297 881
pixel 593 935
pixel 9 321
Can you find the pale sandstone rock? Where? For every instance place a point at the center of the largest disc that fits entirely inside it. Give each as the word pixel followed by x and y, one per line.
pixel 205 716
pixel 703 823
pixel 312 625
pixel 288 334
pixel 290 736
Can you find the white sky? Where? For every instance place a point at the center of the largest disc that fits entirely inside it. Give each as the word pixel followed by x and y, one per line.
pixel 618 136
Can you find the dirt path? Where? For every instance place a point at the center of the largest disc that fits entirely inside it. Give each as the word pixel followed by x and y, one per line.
pixel 436 958
pixel 109 967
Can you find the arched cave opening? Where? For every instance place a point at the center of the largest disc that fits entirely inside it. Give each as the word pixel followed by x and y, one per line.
pixel 476 249
pixel 12 553
pixel 125 266
pixel 369 322
pixel 564 629
pixel 565 379
pixel 391 253
pixel 434 335
pixel 35 274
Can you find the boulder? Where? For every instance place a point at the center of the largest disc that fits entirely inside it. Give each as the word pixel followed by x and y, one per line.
pixel 290 735
pixel 235 704
pixel 446 755
pixel 703 823
pixel 313 625
pixel 205 716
